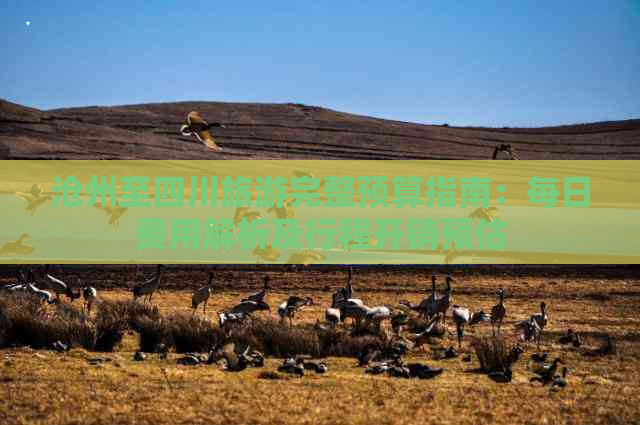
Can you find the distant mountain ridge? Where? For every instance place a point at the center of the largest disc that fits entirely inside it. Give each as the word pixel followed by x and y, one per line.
pixel 287 131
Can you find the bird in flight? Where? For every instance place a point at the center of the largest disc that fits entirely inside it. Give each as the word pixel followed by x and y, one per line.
pixel 34 198
pixel 200 128
pixel 267 253
pixel 114 213
pixel 487 213
pixel 17 247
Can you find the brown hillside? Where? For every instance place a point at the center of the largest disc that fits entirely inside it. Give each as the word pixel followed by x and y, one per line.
pixel 286 131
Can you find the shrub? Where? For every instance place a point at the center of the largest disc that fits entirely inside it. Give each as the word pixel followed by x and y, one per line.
pixel 494 354
pixel 114 318
pixel 152 333
pixel 338 343
pixel 25 320
pixel 188 332
pixel 275 339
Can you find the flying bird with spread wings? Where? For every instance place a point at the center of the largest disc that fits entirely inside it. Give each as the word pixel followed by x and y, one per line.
pixel 245 212
pixel 34 198
pixel 305 257
pixel 267 253
pixel 114 213
pixel 301 173
pixel 285 211
pixel 197 126
pixel 17 247
pixel 487 213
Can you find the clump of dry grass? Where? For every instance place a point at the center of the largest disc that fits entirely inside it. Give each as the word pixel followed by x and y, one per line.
pixel 152 333
pixel 184 332
pixel 338 343
pixel 276 339
pixel 494 354
pixel 25 320
pixel 131 311
pixel 114 318
pixel 188 333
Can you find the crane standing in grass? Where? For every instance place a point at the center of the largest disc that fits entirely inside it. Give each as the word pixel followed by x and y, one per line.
pixel 498 312
pixel 289 308
pixel 148 288
pixel 90 294
pixel 462 317
pixel 259 296
pixel 541 319
pixel 58 286
pixel 201 295
pixel 423 307
pixel 441 305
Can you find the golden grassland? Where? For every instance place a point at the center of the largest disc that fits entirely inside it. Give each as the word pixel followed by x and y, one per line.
pixel 45 387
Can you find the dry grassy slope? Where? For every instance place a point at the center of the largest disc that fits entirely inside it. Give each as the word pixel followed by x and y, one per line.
pixel 266 131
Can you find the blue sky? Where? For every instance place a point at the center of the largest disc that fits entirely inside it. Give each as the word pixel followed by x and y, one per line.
pixel 496 63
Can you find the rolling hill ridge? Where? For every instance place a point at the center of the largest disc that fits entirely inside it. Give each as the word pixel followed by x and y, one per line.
pixel 286 131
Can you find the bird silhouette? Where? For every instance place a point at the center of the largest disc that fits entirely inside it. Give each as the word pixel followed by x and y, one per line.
pixel 305 257
pixel 487 213
pixel 507 151
pixel 300 174
pixel 245 212
pixel 285 211
pixel 267 253
pixel 114 213
pixel 197 126
pixel 17 247
pixel 372 242
pixel 34 198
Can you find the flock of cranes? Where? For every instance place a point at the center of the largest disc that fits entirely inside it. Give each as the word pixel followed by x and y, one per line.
pixel 49 288
pixel 344 305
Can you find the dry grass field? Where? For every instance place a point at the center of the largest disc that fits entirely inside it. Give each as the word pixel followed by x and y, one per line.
pixel 47 387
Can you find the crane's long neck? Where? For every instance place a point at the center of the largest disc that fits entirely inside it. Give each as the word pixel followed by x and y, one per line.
pixel 156 284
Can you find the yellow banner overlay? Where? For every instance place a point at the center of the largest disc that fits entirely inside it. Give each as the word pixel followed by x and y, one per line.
pixel 322 212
